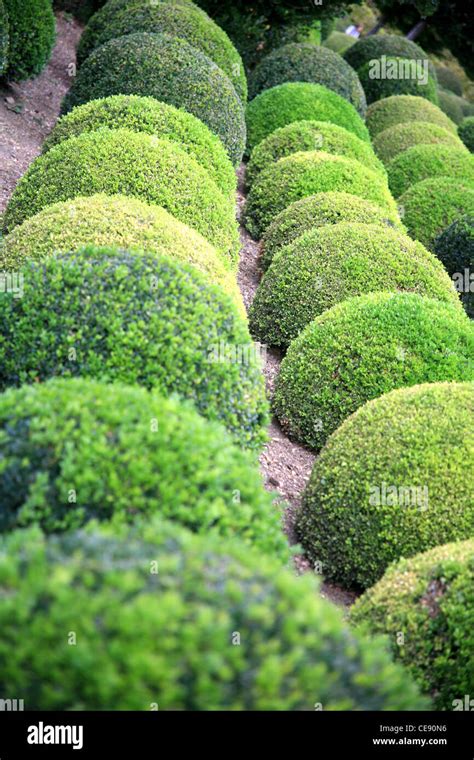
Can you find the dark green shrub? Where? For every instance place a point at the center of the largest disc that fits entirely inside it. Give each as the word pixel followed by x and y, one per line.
pixel 408 80
pixel 295 650
pixel 452 105
pixel 362 348
pixel 339 42
pixel 424 161
pixel 430 598
pixel 303 174
pixel 156 118
pixel 448 80
pixel 119 221
pixel 466 132
pixel 316 211
pixel 4 38
pixel 391 483
pixel 168 69
pixel 81 9
pixel 430 206
pixel 310 135
pixel 31 32
pixel 120 161
pixel 297 101
pixel 186 21
pixel 455 248
pixel 390 45
pixel 402 109
pixel 305 62
pixel 135 318
pixel 337 261
pixel 400 137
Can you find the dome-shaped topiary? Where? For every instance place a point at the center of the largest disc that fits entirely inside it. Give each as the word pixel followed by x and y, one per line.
pixel 120 161
pixel 135 318
pixel 297 101
pixel 389 45
pixel 188 22
pixel 364 347
pixel 455 247
pixel 305 62
pixel 32 30
pixel 171 70
pixel 118 221
pixel 424 161
pixel 76 450
pixel 400 137
pixel 448 80
pixel 310 135
pixel 316 211
pixel 430 206
pixel 4 38
pixel 105 12
pixel 429 597
pixel 452 105
pixel 384 77
pixel 391 482
pixel 402 109
pixel 303 174
pixel 331 263
pixel 466 132
pixel 156 118
pixel 294 649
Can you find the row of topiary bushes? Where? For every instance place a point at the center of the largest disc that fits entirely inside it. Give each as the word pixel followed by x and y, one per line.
pixel 27 34
pixel 379 351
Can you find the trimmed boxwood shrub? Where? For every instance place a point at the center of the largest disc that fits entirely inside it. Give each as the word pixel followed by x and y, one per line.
pixel 107 11
pixel 316 211
pixel 310 135
pixel 389 45
pixel 424 161
pixel 156 118
pixel 402 109
pixel 119 221
pixel 305 62
pixel 135 318
pixel 452 105
pixel 188 22
pixel 391 482
pixel 295 650
pixel 75 450
pixel 448 80
pixel 298 101
pixel 303 174
pixel 455 247
pixel 4 38
pixel 466 132
pixel 331 263
pixel 429 597
pixel 168 69
pixel 400 137
pixel 378 88
pixel 32 29
pixel 120 161
pixel 362 348
pixel 339 42
pixel 430 206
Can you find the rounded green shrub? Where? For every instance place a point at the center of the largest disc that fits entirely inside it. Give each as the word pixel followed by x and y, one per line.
pixel 168 69
pixel 76 450
pixel 298 101
pixel 156 118
pixel 430 597
pixel 295 650
pixel 391 482
pixel 339 42
pixel 140 318
pixel 403 109
pixel 410 80
pixel 316 211
pixel 105 13
pixel 455 248
pixel 305 62
pixel 328 264
pixel 400 137
pixel 188 22
pixel 466 132
pixel 448 80
pixel 4 38
pixel 424 161
pixel 390 45
pixel 32 29
pixel 118 221
pixel 364 347
pixel 119 161
pixel 430 206
pixel 452 105
pixel 307 173
pixel 310 135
